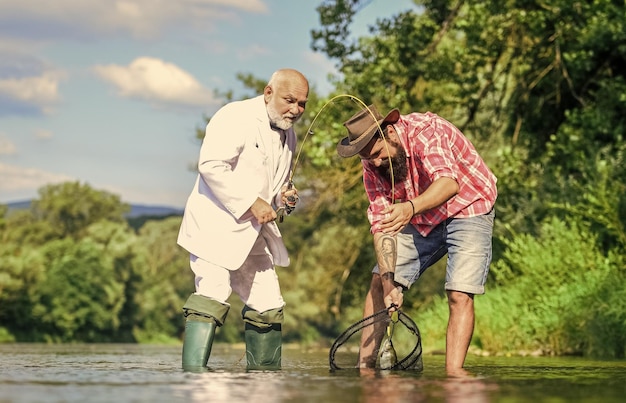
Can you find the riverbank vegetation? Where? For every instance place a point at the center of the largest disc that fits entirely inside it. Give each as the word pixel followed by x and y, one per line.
pixel 539 88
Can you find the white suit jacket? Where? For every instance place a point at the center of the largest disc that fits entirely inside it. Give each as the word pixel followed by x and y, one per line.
pixel 236 167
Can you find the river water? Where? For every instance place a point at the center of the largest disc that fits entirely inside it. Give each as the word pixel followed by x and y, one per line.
pixel 137 373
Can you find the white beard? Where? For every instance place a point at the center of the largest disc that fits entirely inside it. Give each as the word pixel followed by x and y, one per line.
pixel 277 120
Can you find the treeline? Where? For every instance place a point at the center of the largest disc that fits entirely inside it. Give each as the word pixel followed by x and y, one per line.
pixel 73 269
pixel 537 86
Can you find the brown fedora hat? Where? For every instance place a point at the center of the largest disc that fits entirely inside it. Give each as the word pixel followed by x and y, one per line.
pixel 362 127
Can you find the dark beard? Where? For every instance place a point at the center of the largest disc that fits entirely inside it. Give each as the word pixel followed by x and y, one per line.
pixel 399 165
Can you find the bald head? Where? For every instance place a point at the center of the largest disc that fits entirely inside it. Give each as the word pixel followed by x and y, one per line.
pixel 286 95
pixel 286 76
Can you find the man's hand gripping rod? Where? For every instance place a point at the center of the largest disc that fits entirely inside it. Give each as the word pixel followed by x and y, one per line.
pixel 289 206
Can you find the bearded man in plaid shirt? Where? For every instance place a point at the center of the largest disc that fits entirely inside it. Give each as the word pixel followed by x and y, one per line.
pixel 430 193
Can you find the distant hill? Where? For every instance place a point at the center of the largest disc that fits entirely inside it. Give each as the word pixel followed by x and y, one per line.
pixel 18 205
pixel 139 210
pixel 136 210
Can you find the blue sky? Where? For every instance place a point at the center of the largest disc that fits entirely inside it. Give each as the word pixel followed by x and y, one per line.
pixel 110 92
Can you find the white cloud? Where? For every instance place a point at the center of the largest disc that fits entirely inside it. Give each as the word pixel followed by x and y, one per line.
pixel 6 146
pixel 147 19
pixel 18 180
pixel 41 91
pixel 157 81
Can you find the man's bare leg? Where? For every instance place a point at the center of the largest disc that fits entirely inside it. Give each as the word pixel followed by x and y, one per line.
pixel 372 336
pixel 460 330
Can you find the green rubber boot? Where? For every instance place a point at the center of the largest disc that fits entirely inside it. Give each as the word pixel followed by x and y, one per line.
pixel 263 336
pixel 197 345
pixel 202 316
pixel 263 347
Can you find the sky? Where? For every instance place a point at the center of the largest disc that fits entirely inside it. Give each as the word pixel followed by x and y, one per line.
pixel 110 92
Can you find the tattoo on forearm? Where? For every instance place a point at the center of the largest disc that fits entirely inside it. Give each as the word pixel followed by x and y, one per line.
pixel 386 250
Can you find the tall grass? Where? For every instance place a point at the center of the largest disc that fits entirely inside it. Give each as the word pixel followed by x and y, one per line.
pixel 554 294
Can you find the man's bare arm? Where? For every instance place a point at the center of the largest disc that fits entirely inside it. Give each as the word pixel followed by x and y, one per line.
pixel 386 250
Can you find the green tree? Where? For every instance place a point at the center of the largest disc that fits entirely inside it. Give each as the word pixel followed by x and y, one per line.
pixel 71 207
pixel 513 75
pixel 161 282
pixel 62 266
pixel 21 269
pixel 78 298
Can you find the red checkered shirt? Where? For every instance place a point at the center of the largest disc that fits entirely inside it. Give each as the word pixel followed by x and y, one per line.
pixel 435 148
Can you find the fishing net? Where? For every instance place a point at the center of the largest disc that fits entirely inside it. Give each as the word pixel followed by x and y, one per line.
pixel 407 341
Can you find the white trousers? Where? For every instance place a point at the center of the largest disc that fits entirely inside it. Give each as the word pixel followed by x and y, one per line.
pixel 255 282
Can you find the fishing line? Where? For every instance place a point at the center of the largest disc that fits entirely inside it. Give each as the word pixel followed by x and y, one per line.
pixel 363 106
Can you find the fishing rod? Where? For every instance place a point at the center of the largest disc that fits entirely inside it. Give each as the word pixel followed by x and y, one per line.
pixel 309 132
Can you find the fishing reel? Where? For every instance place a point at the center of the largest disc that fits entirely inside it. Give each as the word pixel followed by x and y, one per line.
pixel 290 205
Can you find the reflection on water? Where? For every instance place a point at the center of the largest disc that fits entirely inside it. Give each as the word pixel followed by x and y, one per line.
pixel 133 373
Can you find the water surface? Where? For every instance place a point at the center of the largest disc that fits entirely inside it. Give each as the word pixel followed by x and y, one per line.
pixel 136 373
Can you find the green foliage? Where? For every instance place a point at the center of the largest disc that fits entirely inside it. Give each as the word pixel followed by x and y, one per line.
pixel 71 207
pixel 552 289
pixel 596 322
pixel 161 282
pixel 338 15
pixel 20 271
pixel 6 336
pixel 93 280
pixel 546 262
pixel 79 297
pixel 25 228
